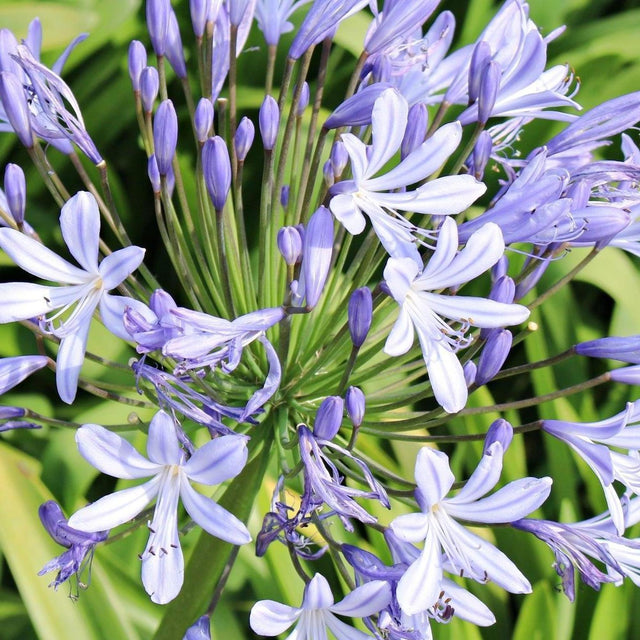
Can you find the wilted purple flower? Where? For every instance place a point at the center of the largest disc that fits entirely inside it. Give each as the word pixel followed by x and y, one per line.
pixel 269 120
pixel 15 188
pixel 289 244
pixel 269 618
pixel 243 138
pixel 84 289
pixel 80 544
pixel 165 135
pixel 420 308
pixel 137 62
pixel 16 109
pixel 466 553
pixel 203 119
pixel 149 87
pixel 216 461
pixel 359 313
pixel 216 168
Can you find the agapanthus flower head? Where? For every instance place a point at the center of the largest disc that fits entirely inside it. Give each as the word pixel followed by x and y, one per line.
pixel 216 461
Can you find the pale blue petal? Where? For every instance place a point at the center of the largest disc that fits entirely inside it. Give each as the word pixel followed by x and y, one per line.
pixel 15 369
pixel 317 594
pixel 271 382
pixel 271 618
pixel 419 588
pixel 111 454
pixel 116 508
pixel 112 310
pixel 433 476
pixel 466 605
pixel 115 268
pixel 357 151
pixel 446 249
pixel 388 123
pixel 410 527
pixel 24 300
pixel 34 257
pixel 203 321
pixel 217 460
pixel 163 447
pixel 484 477
pixel 343 631
pixel 514 501
pixel 213 518
pixel 80 226
pixel 365 600
pixel 399 274
pixel 343 207
pixel 70 359
pixel 400 338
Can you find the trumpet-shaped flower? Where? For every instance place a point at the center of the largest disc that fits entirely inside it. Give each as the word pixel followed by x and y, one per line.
pixel 218 460
pixel 370 196
pixel 466 553
pixel 65 311
pixel 270 618
pixel 421 309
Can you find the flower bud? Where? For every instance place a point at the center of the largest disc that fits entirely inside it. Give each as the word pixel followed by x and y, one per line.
pixel 360 311
pixel 284 196
pixel 16 108
pixel 318 247
pixel 154 174
pixel 243 139
pixel 137 62
pixel 499 431
pixel 304 100
pixel 157 12
pixel 328 418
pixel 327 174
pixel 199 13
pixel 416 130
pixel 493 355
pixel 503 290
pixel 174 51
pixel 626 375
pixel 203 119
pixel 481 154
pixel 199 630
pixel 269 120
pixel 469 370
pixel 625 349
pixel 165 135
pixel 15 188
pixel 216 168
pixel 355 401
pixel 356 111
pixel 489 88
pixel 339 158
pixel 149 87
pixel 480 58
pixel 289 244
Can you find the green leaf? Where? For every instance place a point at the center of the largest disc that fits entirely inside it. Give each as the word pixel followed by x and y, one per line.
pixel 537 617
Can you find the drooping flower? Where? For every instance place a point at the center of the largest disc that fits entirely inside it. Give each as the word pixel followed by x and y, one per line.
pixel 421 309
pixel 465 553
pixel 377 198
pixel 316 614
pixel 216 461
pixel 83 289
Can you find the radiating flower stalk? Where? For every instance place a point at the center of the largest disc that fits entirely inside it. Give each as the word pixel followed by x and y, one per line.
pixel 289 350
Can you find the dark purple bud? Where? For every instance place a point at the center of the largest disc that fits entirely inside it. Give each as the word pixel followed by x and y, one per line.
pixel 216 168
pixel 480 58
pixel 327 173
pixel 137 62
pixel 7 413
pixel 165 135
pixel 174 50
pixel 481 154
pixel 158 24
pixel 243 139
pixel 489 87
pixel 529 281
pixel 203 119
pixel 502 290
pixel 269 120
pixel 15 188
pixel 625 349
pixel 154 174
pixel 356 111
pixel 328 418
pixel 339 158
pixel 289 244
pixel 199 13
pixel 469 369
pixel 500 268
pixel 317 250
pixel 416 130
pixel 626 375
pixel 499 431
pixel 493 355
pixel 284 196
pixel 199 630
pixel 15 106
pixel 355 402
pixel 149 87
pixel 304 100
pixel 360 311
